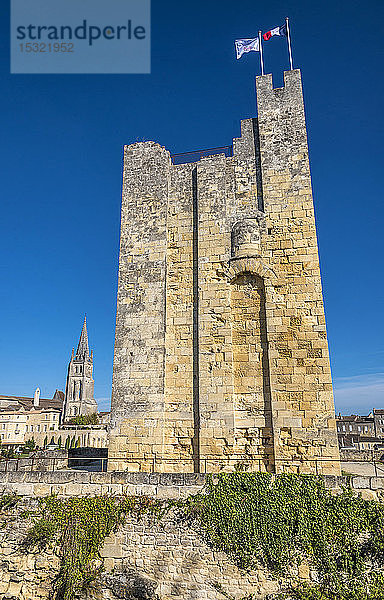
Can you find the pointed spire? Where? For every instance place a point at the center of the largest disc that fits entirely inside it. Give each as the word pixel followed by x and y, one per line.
pixel 82 348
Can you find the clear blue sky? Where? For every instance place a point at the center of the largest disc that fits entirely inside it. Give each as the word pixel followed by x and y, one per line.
pixel 61 159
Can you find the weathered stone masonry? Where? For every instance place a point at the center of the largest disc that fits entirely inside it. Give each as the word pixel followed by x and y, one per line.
pixel 221 355
pixel 172 559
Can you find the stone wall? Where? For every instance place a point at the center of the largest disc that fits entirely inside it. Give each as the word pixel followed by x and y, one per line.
pixel 24 575
pixel 146 559
pixel 158 485
pixel 368 463
pixel 41 460
pixel 221 355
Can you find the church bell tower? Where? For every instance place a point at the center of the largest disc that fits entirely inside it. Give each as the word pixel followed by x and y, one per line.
pixel 79 398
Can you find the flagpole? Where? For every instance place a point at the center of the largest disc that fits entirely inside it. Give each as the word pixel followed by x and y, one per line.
pixel 289 42
pixel 261 54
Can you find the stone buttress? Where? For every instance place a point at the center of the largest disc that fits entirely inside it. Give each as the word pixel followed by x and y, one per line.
pixel 221 357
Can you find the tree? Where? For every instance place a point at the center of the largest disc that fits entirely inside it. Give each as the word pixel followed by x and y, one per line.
pixel 30 445
pixel 92 419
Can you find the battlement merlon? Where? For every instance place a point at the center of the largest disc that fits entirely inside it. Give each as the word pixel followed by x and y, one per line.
pixel 292 86
pixel 281 124
pixel 269 100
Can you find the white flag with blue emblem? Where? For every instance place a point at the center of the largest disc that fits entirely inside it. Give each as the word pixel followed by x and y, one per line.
pixel 246 46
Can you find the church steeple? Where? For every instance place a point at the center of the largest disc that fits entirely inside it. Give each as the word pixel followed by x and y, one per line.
pixel 82 348
pixel 79 398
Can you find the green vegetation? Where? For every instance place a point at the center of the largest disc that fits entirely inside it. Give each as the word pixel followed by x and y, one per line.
pixel 92 419
pixel 79 526
pixel 29 445
pixel 365 587
pixel 255 518
pixel 277 522
pixel 8 501
pixel 8 453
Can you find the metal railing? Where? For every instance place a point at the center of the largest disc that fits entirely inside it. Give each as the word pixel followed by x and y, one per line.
pixel 156 464
pixel 196 155
pixel 78 463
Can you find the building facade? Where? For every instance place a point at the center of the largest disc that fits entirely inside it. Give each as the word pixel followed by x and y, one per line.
pixel 24 418
pixel 221 357
pixel 361 432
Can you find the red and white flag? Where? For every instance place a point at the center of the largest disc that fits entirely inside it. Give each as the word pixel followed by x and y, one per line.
pixel 282 30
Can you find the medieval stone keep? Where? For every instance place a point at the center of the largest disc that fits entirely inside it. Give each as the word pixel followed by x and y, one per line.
pixel 221 357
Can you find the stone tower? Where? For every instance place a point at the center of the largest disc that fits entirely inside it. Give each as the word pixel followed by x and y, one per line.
pixel 79 398
pixel 221 357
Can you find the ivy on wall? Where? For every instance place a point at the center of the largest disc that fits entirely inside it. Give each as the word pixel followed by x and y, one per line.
pixel 256 518
pixel 369 586
pixel 79 527
pixel 280 521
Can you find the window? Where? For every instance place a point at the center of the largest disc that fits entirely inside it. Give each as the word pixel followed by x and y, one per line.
pixel 38 428
pixel 366 428
pixel 343 427
pixel 26 429
pixel 350 428
pixel 31 427
pixel 358 428
pixel 45 428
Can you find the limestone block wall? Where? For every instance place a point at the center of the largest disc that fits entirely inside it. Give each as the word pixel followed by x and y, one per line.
pixel 139 363
pixel 303 408
pixel 158 485
pixel 368 463
pixel 221 356
pixel 146 559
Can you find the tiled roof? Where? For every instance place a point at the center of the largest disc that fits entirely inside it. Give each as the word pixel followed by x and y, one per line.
pixel 25 403
pixel 354 418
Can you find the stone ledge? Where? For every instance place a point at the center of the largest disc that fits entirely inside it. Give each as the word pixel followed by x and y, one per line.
pixel 361 482
pixel 160 485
